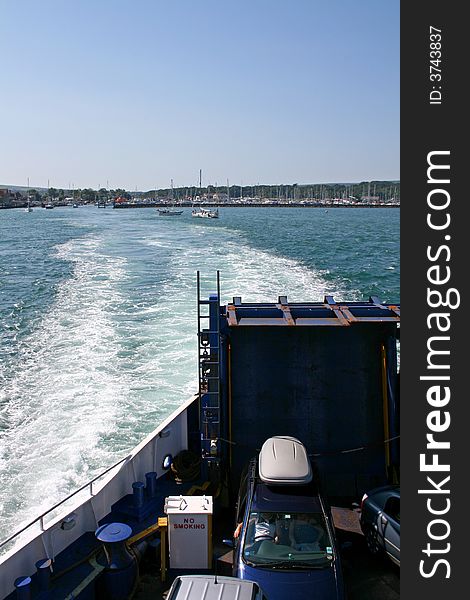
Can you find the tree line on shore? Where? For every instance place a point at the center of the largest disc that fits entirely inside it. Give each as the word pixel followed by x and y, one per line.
pixel 371 190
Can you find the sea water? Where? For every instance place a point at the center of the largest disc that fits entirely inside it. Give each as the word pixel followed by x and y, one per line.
pixel 98 320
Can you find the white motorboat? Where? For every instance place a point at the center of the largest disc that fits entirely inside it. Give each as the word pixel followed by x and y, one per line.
pixel 205 213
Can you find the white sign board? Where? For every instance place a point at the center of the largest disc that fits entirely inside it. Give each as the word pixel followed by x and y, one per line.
pixel 189 531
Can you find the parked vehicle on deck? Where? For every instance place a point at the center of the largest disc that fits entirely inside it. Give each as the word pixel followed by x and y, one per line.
pixel 380 521
pixel 285 540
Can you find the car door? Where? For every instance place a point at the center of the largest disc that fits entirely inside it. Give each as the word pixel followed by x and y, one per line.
pixel 242 495
pixel 240 509
pixel 389 526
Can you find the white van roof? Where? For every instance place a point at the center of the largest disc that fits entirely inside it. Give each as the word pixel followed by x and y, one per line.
pixel 207 587
pixel 284 460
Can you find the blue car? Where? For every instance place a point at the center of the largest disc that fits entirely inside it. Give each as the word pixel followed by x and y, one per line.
pixel 285 538
pixel 380 521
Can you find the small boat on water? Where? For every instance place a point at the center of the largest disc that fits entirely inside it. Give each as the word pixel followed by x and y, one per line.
pixel 49 205
pixel 205 213
pixel 168 212
pixel 199 211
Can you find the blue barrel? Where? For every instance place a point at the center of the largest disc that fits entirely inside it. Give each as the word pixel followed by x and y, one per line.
pixel 121 572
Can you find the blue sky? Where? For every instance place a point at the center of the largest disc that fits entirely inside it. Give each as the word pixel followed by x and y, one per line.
pixel 138 92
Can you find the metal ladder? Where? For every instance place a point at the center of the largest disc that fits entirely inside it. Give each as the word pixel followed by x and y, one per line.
pixel 208 321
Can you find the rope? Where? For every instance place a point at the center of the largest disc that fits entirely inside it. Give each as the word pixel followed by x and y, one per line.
pixel 186 466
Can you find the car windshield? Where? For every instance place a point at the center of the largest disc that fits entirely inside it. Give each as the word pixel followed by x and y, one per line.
pixel 287 540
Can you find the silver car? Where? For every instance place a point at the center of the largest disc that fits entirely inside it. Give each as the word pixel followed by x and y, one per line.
pixel 380 521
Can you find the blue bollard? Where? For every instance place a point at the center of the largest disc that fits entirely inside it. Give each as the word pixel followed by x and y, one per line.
pixel 138 490
pixel 43 573
pixel 151 484
pixel 121 569
pixel 23 588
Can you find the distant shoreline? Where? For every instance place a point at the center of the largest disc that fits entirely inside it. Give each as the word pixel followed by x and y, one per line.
pixel 208 205
pixel 254 205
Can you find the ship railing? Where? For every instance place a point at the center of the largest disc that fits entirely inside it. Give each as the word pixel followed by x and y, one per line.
pixel 40 518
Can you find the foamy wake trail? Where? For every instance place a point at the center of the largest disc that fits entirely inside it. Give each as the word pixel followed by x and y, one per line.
pixel 116 353
pixel 256 275
pixel 63 397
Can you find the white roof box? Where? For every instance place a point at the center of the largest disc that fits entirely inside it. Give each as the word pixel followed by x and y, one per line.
pixel 207 587
pixel 284 460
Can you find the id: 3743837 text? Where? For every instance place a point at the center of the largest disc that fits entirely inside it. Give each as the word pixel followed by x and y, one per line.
pixel 435 69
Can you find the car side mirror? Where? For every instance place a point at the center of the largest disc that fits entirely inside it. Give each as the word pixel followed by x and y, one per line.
pixel 228 542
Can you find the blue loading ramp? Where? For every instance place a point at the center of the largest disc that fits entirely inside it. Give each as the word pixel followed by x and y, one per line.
pixel 325 373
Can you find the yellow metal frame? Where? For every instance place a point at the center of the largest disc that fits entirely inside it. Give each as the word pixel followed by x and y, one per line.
pixel 383 361
pixel 163 526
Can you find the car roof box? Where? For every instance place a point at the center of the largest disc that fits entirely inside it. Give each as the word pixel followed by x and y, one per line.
pixel 207 587
pixel 283 460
